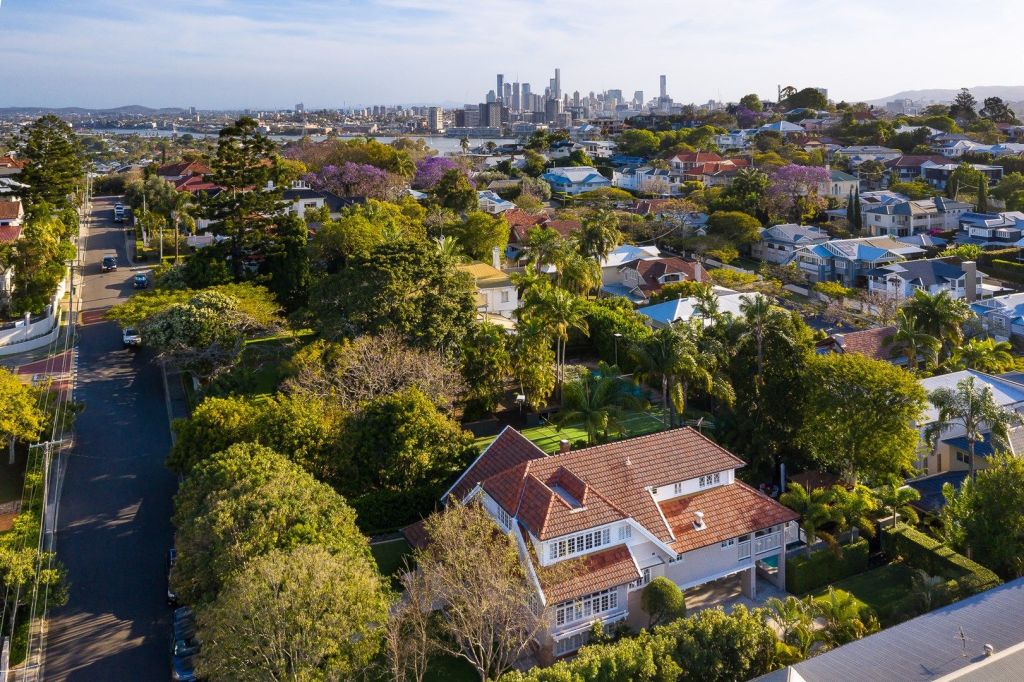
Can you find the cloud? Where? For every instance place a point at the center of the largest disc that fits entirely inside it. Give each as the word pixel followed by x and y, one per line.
pixel 271 53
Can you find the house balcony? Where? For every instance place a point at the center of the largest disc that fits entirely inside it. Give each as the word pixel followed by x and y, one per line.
pixel 760 545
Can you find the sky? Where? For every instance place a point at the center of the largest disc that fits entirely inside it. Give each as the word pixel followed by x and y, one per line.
pixel 220 54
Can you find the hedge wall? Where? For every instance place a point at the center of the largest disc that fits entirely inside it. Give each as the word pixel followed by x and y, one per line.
pixel 805 573
pixel 934 558
pixel 987 257
pixel 1007 270
pixel 381 511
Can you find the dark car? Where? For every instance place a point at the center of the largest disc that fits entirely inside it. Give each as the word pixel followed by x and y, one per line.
pixel 183 639
pixel 108 264
pixel 172 557
pixel 140 281
pixel 183 669
pixel 184 613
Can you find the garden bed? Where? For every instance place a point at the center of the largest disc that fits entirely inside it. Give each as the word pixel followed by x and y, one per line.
pixel 877 588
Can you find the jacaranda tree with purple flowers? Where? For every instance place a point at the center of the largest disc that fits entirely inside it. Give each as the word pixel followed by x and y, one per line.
pixel 357 180
pixel 430 171
pixel 795 192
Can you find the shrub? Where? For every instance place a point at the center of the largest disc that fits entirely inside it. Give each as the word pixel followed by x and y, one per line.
pixel 381 511
pixel 931 556
pixel 1008 270
pixel 806 573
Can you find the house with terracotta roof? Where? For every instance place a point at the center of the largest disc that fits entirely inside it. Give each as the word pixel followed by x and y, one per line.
pixel 10 165
pixel 873 343
pixel 12 214
pixel 594 526
pixel 521 223
pixel 173 172
pixel 642 278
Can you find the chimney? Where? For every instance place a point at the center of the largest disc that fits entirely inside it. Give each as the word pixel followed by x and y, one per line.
pixel 698 520
pixel 496 258
pixel 989 650
pixel 970 280
pixel 563 446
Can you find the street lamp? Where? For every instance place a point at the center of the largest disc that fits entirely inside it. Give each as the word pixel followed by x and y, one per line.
pixel 617 336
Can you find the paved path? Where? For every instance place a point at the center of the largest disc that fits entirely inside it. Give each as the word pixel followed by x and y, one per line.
pixel 114 525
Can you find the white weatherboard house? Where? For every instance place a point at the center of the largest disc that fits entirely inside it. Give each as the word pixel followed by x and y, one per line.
pixel 620 514
pixel 575 179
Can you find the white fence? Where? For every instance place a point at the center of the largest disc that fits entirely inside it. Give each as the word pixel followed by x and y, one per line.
pixel 25 335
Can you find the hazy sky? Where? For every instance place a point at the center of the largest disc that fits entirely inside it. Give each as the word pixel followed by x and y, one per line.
pixel 328 53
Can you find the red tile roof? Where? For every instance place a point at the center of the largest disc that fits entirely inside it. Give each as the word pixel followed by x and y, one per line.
pixel 915 160
pixel 617 477
pixel 564 227
pixel 416 534
pixel 591 573
pixel 508 450
pixel 729 511
pixel 869 342
pixel 11 162
pixel 696 157
pixel 183 168
pixel 651 270
pixel 9 234
pixel 10 210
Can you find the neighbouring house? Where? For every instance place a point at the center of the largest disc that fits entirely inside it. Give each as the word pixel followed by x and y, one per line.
pixel 907 218
pixel 575 179
pixel 779 242
pixel 497 299
pixel 173 172
pixel 304 198
pixel 858 154
pixel 849 260
pixel 680 163
pixel 621 514
pixel 991 230
pixel 667 313
pixel 924 241
pixel 784 128
pixel 735 139
pixel 872 343
pixel 960 279
pixel 10 166
pixel 715 173
pixel 624 253
pixel 520 225
pixel 12 214
pixel 490 202
pixel 647 179
pixel 1002 317
pixel 642 278
pixel 937 174
pixel 908 166
pixel 977 639
pixel 9 234
pixel 951 451
pixel 840 185
pixel 599 149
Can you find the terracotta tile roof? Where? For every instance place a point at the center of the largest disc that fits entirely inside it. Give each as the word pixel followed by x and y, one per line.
pixel 591 573
pixel 729 511
pixel 650 270
pixel 9 234
pixel 11 162
pixel 617 477
pixel 520 222
pixel 10 210
pixel 869 342
pixel 194 183
pixel 508 450
pixel 564 227
pixel 416 534
pixel 696 157
pixel 183 168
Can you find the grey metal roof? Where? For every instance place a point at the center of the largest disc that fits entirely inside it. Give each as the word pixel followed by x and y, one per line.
pixel 927 647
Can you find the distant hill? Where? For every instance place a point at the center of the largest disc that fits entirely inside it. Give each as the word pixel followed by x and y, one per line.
pixel 131 109
pixel 1009 93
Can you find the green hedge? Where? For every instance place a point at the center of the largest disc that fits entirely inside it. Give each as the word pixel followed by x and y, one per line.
pixel 1005 269
pixel 987 257
pixel 381 511
pixel 934 558
pixel 805 573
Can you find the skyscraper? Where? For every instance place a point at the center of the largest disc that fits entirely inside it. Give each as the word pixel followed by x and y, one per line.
pixel 434 119
pixel 638 98
pixel 557 94
pixel 506 97
pixel 525 97
pixel 500 90
pixel 516 100
pixel 664 88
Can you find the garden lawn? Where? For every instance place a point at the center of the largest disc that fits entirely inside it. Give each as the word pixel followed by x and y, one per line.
pixel 390 555
pixel 877 587
pixel 547 436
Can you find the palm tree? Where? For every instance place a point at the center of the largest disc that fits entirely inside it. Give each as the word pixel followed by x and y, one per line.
pixel 815 510
pixel 449 249
pixel 853 510
pixel 599 235
pixel 795 620
pixel 464 143
pixel 759 316
pixel 845 618
pixel 707 307
pixel 985 355
pixel 561 312
pixel 913 340
pixel 577 273
pixel 596 402
pixel 973 409
pixel 544 246
pixel 896 497
pixel 940 315
pixel 660 357
pixel 928 590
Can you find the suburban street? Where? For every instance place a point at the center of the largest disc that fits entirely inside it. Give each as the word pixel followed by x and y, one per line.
pixel 113 528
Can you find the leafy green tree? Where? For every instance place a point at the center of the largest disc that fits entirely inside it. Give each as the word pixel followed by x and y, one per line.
pixel 963 251
pixel 942 316
pixel 982 202
pixel 663 601
pixel 808 98
pixel 853 509
pixel 986 516
pixel 974 409
pixel 54 163
pixel 914 190
pixel 485 366
pixel 739 228
pixel 897 498
pixel 21 417
pixel 997 111
pixel 964 106
pixel 401 441
pixel 1011 183
pixel 751 101
pixel 597 403
pixel 454 192
pixel 252 300
pixel 580 158
pixel 845 618
pixel 638 142
pixel 915 342
pixel 746 193
pixel 965 178
pixel 288 262
pixel 39 259
pixel 151 193
pixel 404 287
pixel 301 614
pixel 363 227
pixel 533 361
pixel 479 233
pixel 986 355
pixel 534 163
pixel 715 646
pixel 794 619
pixel 245 502
pixel 859 415
pixel 245 209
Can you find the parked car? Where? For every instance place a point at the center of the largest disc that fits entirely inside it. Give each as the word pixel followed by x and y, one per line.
pixel 184 613
pixel 108 264
pixel 183 639
pixel 131 338
pixel 140 281
pixel 172 557
pixel 183 669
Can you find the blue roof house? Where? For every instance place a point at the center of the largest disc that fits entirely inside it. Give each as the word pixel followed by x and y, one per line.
pixel 575 179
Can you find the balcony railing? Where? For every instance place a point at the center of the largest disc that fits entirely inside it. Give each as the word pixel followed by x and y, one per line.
pixel 759 545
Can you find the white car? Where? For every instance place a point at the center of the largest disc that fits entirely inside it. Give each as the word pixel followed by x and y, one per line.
pixel 131 338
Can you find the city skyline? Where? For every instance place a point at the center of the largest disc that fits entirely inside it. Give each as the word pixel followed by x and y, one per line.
pixel 229 54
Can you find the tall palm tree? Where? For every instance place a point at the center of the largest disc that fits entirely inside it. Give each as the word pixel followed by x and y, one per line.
pixel 464 143
pixel 577 273
pixel 561 312
pixel 942 316
pixel 815 510
pixel 913 340
pixel 986 355
pixel 853 509
pixel 599 234
pixel 543 246
pixel 976 411
pixel 896 497
pixel 597 402
pixel 759 317
pixel 795 621
pixel 660 357
pixel 707 307
pixel 844 616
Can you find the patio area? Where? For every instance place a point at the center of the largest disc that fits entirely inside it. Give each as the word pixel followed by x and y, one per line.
pixel 728 592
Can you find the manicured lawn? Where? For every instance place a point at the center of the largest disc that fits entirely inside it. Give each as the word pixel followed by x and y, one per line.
pixel 547 436
pixel 262 365
pixel 390 555
pixel 877 587
pixel 450 669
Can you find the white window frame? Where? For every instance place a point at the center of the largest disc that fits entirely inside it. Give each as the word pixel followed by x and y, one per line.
pixel 645 577
pixel 580 543
pixel 586 607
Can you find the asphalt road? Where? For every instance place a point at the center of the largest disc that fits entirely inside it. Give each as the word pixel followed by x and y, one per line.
pixel 114 527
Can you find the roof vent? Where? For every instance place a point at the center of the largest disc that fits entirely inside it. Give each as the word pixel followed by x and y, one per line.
pixel 989 649
pixel 698 521
pixel 628 462
pixel 563 445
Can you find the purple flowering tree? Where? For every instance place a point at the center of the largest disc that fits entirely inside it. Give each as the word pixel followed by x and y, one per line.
pixel 795 192
pixel 357 180
pixel 429 172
